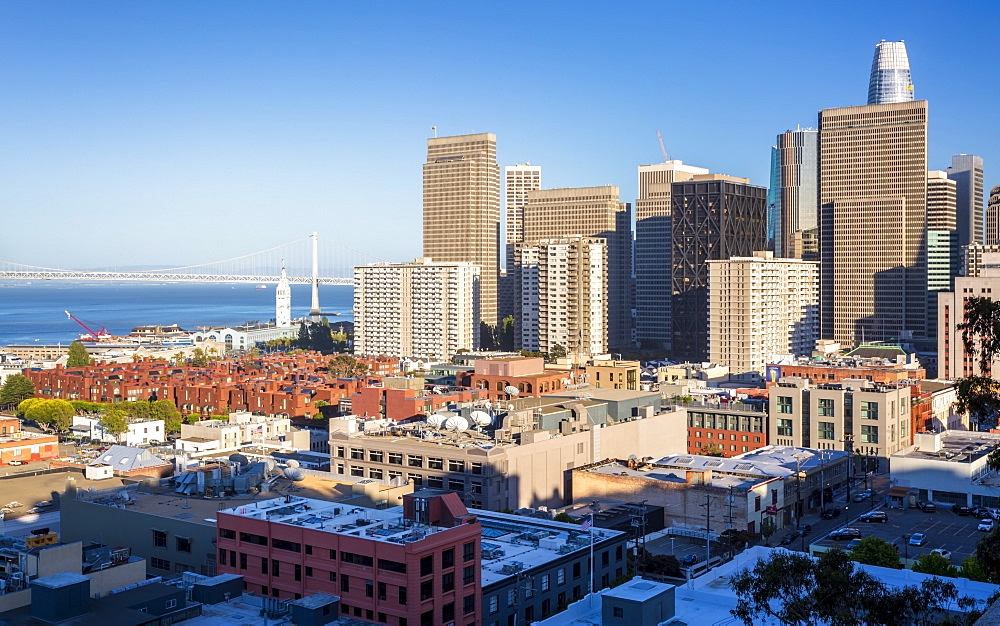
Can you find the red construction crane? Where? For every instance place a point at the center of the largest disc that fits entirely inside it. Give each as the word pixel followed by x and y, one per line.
pixel 91 335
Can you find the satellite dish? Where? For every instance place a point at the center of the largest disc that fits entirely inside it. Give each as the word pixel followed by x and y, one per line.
pixel 293 463
pixel 511 390
pixel 481 418
pixel 293 474
pixel 437 421
pixel 457 424
pixel 239 459
pixel 510 407
pixel 487 405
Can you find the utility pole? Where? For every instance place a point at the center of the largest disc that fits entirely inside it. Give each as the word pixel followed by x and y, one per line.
pixel 708 528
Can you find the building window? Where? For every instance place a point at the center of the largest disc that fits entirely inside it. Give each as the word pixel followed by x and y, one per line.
pixel 826 407
pixel 356 559
pixel 369 589
pixel 358 454
pixel 826 431
pixel 448 558
pixel 375 456
pixel 396 458
pixel 434 463
pixel 416 479
pixel 456 484
pixel 869 434
pixel 402 596
pixel 545 582
pixel 469 551
pixel 392 566
pixel 468 604
pixel 263 565
pixel 345 583
pixel 435 482
pixel 448 581
pixel 469 575
pixel 415 461
pixel 227 533
pixel 357 470
pixel 511 597
pixel 477 468
pixel 456 466
pixel 576 570
pixel 448 611
pixel 784 428
pixel 382 591
pixel 427 590
pixel 494 604
pixel 297 572
pixel 159 538
pixel 784 404
pixel 426 565
pixel 618 611
pixel 869 410
pixel 290 546
pixel 561 576
pixel 171 603
pixel 375 473
pixel 159 563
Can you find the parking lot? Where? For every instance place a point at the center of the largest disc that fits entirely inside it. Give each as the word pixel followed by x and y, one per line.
pixel 944 530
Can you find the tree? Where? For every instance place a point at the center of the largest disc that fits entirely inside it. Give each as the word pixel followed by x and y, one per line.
pixel 166 411
pixel 347 366
pixel 115 421
pixel 78 356
pixel 198 358
pixel 25 405
pixel 56 413
pixel 713 449
pixel 767 528
pixel 988 554
pixel 565 517
pixel 16 389
pixel 979 396
pixel 973 570
pixel 875 551
pixel 933 563
pixel 557 352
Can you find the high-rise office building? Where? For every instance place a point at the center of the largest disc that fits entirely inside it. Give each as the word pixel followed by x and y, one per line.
pixel 873 218
pixel 992 235
pixel 518 181
pixel 890 80
pixel 943 252
pixel 794 214
pixel 967 172
pixel 423 310
pixel 563 294
pixel 591 212
pixel 462 209
pixel 761 309
pixel 714 217
pixel 652 250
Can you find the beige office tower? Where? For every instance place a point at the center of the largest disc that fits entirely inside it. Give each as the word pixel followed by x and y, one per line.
pixel 462 209
pixel 518 180
pixel 761 309
pixel 992 236
pixel 873 217
pixel 591 212
pixel 943 252
pixel 953 361
pixel 563 291
pixel 422 310
pixel 653 263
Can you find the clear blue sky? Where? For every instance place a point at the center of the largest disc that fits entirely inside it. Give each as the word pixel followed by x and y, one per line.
pixel 179 132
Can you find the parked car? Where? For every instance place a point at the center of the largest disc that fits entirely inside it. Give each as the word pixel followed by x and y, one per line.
pixel 845 533
pixel 960 509
pixel 853 543
pixel 864 495
pixel 831 513
pixel 986 525
pixel 945 553
pixel 17 462
pixel 689 559
pixel 790 537
pixel 806 529
pixel 918 539
pixel 874 516
pixel 926 507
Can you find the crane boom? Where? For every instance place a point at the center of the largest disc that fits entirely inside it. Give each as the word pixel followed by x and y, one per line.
pixel 662 148
pixel 96 336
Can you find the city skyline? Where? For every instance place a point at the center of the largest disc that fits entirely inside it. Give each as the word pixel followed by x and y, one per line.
pixel 261 124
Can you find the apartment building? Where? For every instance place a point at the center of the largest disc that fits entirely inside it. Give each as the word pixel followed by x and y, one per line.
pixel 725 431
pixel 953 361
pixel 612 374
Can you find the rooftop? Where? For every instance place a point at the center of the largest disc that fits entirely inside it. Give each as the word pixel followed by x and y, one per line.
pixel 953 446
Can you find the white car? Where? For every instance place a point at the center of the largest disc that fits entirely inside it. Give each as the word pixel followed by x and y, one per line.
pixel 945 553
pixel 986 525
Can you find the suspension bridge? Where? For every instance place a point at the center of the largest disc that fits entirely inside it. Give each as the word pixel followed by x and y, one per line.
pixel 305 259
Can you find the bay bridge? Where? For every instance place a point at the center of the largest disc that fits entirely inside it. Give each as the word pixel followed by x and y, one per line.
pixel 307 262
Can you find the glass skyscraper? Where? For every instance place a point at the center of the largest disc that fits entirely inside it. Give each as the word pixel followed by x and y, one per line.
pixel 890 80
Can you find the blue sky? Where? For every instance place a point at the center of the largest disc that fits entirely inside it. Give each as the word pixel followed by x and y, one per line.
pixel 186 131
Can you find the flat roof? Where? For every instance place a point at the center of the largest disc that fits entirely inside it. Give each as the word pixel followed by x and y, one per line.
pixel 956 447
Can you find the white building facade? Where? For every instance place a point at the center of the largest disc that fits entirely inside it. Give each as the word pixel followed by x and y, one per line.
pixel 423 310
pixel 139 433
pixel 761 308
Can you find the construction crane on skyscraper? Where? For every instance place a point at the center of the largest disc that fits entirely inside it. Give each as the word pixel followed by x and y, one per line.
pixel 662 148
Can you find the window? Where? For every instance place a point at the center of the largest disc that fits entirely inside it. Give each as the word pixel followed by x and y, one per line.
pixel 333 577
pixel 263 565
pixel 869 411
pixel 576 570
pixel 159 538
pixel 511 597
pixel 545 582
pixel 494 604
pixel 561 576
pixel 469 551
pixel 456 466
pixel 434 463
pixel 869 434
pixel 784 428
pixel 159 563
pixel 415 461
pixel 333 555
pixel 357 454
pixel 309 572
pixel 291 546
pixel 456 484
pixel 259 540
pixel 469 575
pixel 243 560
pixel 369 589
pixel 275 567
pixel 468 604
pixel 381 591
pixel 171 603
pixel 375 456
pixel 340 451
pixel 309 549
pixel 357 470
pixel 448 558
pixel 448 611
pixel 297 572
pixel 392 566
pixel 356 559
pixel 618 611
pixel 396 458
pixel 375 473
pixel 826 430
pixel 427 589
pixel 402 596
pixel 784 404
pixel 227 533
pixel 426 565
pixel 345 583
pixel 826 407
pixel 448 581
pixel 477 468
pixel 435 482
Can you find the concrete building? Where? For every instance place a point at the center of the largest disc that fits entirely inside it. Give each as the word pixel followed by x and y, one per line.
pixel 519 460
pixel 849 415
pixel 239 429
pixel 992 234
pixel 246 337
pixel 714 217
pixel 953 361
pixel 873 273
pixel 967 172
pixel 761 308
pixel 611 374
pixel 593 212
pixel 778 481
pixel 834 369
pixel 654 210
pixel 462 210
pixel 726 429
pixel 794 214
pixel 518 181
pixel 943 242
pixel 23 446
pixel 427 309
pixel 946 468
pixel 527 375
pixel 563 294
pixel 141 432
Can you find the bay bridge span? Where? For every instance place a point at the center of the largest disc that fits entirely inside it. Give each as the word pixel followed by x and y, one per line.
pixel 306 260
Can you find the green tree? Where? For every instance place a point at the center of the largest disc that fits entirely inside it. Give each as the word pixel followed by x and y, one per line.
pixel 979 396
pixel 78 356
pixel 56 413
pixel 565 517
pixel 875 551
pixel 115 421
pixel 713 449
pixel 166 411
pixel 198 358
pixel 973 570
pixel 347 366
pixel 557 352
pixel 933 563
pixel 988 554
pixel 16 389
pixel 767 528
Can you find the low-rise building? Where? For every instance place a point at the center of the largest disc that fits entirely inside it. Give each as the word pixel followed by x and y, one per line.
pixel 526 376
pixel 239 429
pixel 610 374
pixel 119 460
pixel 947 468
pixel 141 432
pixel 24 446
pixel 398 403
pixel 726 430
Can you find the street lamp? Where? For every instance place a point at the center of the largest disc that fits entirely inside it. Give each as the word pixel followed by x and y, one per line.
pixel 906 546
pixel 801 456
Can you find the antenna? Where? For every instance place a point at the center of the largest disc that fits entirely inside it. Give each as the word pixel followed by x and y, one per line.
pixel 662 149
pixel 435 129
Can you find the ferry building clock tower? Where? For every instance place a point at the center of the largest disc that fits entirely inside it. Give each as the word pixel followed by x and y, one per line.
pixel 283 302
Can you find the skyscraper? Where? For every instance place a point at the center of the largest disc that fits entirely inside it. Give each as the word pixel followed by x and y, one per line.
pixel 890 79
pixel 993 218
pixel 518 181
pixel 967 172
pixel 563 294
pixel 873 197
pixel 462 209
pixel 652 250
pixel 713 217
pixel 793 191
pixel 591 212
pixel 943 252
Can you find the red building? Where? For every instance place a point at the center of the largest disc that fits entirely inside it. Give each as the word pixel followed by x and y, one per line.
pixel 402 404
pixel 526 374
pixel 415 565
pixel 725 431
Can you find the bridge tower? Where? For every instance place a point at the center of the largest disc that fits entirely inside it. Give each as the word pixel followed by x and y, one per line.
pixel 314 310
